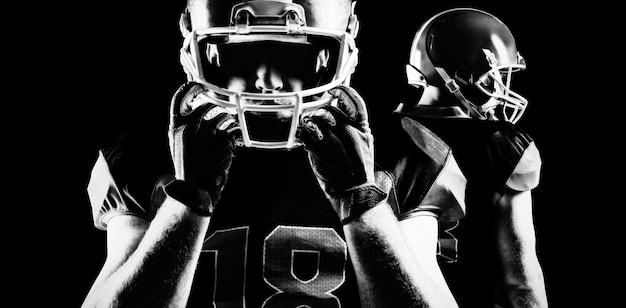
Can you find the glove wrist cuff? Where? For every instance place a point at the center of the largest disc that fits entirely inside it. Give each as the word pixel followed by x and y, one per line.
pixel 190 195
pixel 353 202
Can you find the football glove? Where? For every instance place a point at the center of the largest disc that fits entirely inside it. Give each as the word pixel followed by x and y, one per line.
pixel 201 139
pixel 340 149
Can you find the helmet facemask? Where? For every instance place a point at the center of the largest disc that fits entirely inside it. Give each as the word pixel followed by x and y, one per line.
pixel 255 27
pixel 496 83
pixel 502 102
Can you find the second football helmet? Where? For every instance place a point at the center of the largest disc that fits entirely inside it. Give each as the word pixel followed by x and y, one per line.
pixel 473 55
pixel 215 30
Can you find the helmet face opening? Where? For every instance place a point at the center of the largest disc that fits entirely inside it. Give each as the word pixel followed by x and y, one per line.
pixel 268 65
pixel 311 65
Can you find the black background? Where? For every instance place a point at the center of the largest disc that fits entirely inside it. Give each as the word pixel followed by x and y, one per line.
pixel 97 69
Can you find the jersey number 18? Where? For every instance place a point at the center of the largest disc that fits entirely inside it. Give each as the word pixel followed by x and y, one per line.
pixel 280 250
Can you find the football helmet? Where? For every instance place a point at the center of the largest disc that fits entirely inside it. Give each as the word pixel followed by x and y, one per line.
pixel 470 53
pixel 215 29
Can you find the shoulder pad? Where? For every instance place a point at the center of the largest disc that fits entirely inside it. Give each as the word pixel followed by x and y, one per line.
pixel 446 196
pixel 426 140
pixel 433 183
pixel 525 176
pixel 430 181
pixel 107 200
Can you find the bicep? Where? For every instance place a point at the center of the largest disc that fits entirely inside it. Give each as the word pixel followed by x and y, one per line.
pixel 124 232
pixel 421 235
pixel 514 224
pixel 515 236
pixel 523 276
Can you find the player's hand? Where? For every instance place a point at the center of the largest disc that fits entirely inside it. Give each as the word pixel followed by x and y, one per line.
pixel 202 139
pixel 341 151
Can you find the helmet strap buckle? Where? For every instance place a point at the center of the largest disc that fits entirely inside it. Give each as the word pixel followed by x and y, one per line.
pixel 452 86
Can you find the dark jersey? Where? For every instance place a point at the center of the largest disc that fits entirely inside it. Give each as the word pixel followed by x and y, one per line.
pixel 274 239
pixel 492 155
pixel 427 180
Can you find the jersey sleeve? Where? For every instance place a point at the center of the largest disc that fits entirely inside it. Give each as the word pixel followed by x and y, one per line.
pixel 515 159
pixel 427 178
pixel 526 174
pixel 128 176
pixel 106 198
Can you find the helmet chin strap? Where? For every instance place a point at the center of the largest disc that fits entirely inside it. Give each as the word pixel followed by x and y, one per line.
pixel 453 87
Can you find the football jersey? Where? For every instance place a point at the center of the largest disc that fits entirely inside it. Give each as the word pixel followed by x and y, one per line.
pixel 274 239
pixel 490 155
pixel 426 176
pixel 125 174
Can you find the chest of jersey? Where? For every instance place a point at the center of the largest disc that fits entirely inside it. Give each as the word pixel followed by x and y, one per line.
pixel 274 240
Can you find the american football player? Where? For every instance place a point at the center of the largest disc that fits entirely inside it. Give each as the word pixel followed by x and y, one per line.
pixel 460 68
pixel 268 196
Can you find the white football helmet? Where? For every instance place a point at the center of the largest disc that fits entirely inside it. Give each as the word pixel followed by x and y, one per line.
pixel 212 27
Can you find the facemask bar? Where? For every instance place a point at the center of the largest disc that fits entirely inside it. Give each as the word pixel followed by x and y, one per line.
pixel 236 105
pixel 513 104
pixel 235 102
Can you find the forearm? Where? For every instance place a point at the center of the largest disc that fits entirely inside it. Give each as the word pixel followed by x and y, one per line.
pixel 523 275
pixel 160 271
pixel 387 273
pixel 526 289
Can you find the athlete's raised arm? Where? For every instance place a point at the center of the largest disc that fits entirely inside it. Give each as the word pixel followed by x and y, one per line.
pixel 151 263
pixel 340 147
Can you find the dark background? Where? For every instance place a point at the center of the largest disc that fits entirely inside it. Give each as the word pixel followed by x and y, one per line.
pixel 111 66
